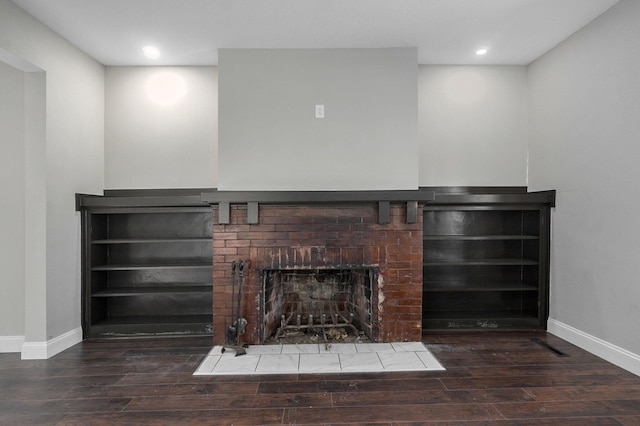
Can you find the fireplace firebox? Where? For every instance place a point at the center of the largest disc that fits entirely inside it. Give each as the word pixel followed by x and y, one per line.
pixel 318 301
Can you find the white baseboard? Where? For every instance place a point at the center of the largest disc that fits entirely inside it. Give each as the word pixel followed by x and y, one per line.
pixel 45 350
pixel 605 350
pixel 9 344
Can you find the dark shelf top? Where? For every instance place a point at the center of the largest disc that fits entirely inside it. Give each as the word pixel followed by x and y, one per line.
pixel 195 197
pixel 149 291
pixel 136 267
pixel 479 237
pixel 530 198
pixel 480 262
pixel 150 240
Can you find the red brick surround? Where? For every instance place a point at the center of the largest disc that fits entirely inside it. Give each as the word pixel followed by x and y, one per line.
pixel 317 236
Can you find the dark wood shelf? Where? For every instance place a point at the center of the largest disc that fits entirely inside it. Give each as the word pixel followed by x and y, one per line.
pixel 479 315
pixel 138 326
pixel 146 266
pixel 433 287
pixel 479 237
pixel 481 262
pixel 481 321
pixel 156 319
pixel 148 291
pixel 152 241
pixel 485 261
pixel 138 267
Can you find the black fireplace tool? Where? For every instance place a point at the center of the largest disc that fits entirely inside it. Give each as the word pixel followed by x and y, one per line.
pixel 237 328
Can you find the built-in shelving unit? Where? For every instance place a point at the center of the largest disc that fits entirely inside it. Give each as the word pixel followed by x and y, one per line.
pixel 485 261
pixel 147 260
pixel 147 270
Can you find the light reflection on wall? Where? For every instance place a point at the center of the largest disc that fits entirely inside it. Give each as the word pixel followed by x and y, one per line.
pixel 166 88
pixel 465 87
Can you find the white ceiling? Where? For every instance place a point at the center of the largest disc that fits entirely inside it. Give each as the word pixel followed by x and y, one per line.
pixel 189 32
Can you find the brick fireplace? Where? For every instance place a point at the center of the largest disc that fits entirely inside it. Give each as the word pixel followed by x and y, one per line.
pixel 300 239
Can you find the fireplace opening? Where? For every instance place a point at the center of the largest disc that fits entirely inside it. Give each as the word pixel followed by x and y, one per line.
pixel 318 305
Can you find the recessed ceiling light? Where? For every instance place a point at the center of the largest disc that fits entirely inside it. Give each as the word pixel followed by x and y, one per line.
pixel 151 52
pixel 481 52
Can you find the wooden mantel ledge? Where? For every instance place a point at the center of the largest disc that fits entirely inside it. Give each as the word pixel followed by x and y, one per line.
pixel 253 198
pixel 310 197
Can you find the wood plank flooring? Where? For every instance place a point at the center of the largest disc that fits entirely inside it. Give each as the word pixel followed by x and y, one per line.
pixel 492 378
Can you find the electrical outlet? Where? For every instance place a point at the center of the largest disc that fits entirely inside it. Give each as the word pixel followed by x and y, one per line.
pixel 319 111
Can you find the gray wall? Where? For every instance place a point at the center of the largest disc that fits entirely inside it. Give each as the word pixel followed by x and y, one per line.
pixel 472 128
pixel 62 158
pixel 473 125
pixel 161 128
pixel 585 134
pixel 269 137
pixel 12 186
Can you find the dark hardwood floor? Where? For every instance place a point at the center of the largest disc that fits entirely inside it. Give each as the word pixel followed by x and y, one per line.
pixel 500 378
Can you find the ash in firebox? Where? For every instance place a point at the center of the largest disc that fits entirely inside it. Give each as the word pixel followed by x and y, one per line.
pixel 331 335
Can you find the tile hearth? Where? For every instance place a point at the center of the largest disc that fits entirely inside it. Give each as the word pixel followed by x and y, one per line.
pixel 318 359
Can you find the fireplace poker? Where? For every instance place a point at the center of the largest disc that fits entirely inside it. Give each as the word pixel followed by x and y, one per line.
pixel 241 321
pixel 231 332
pixel 239 324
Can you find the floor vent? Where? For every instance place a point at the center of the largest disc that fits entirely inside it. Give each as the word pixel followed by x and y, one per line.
pixel 549 347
